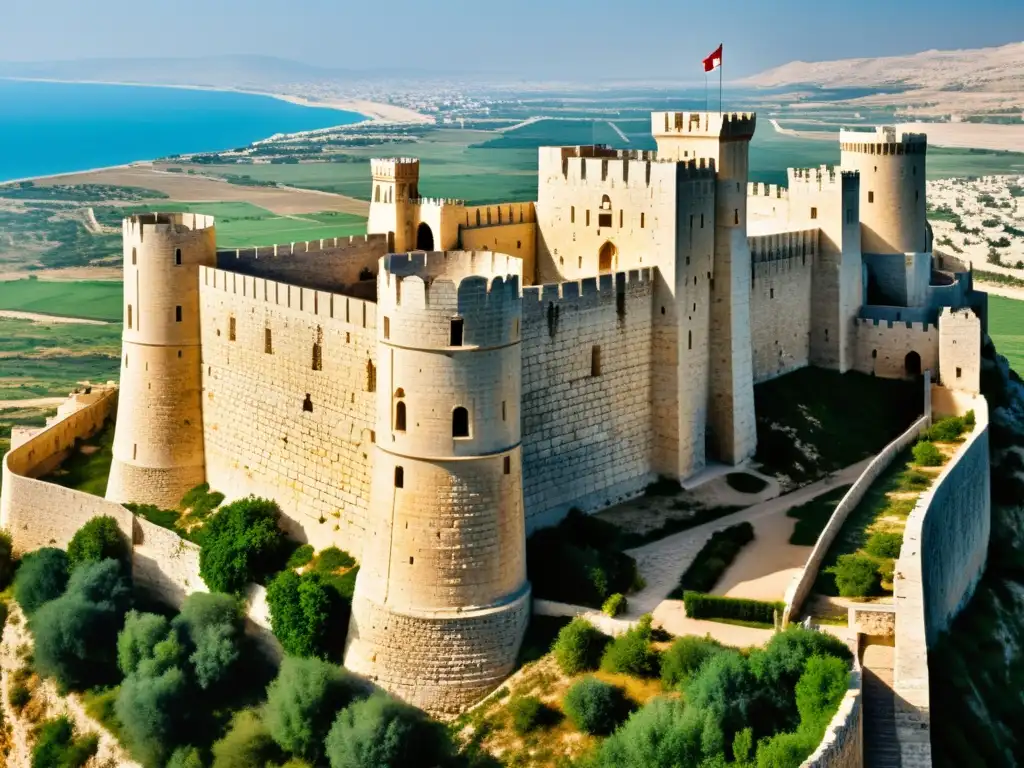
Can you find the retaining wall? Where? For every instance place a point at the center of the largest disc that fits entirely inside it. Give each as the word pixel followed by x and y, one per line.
pixel 842 746
pixel 801 585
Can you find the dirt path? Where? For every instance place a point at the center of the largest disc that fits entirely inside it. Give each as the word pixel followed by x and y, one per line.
pixel 13 314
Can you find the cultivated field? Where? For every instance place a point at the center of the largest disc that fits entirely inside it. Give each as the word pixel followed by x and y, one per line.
pixel 1006 327
pixel 92 299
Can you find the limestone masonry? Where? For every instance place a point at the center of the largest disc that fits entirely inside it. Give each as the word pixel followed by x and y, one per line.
pixel 426 395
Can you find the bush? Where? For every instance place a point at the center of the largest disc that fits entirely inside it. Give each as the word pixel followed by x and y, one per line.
pixel 302 702
pixel 884 544
pixel 615 605
pixel 856 576
pixel 211 627
pixel 530 713
pixel 246 744
pixel 185 757
pixel 684 658
pixel 333 559
pixel 57 747
pixel 152 712
pixel 41 577
pixel 785 750
pixel 820 690
pixel 631 654
pixel 76 634
pixel 6 559
pixel 701 606
pixel 663 734
pixel 578 647
pixel 241 543
pixel 19 696
pixel 381 732
pixel 714 558
pixel 969 419
pixel 595 707
pixel 99 539
pixel 927 455
pixel 300 557
pixel 307 616
pixel 947 430
pixel 138 640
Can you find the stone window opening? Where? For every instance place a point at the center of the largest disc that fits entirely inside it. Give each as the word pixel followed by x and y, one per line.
pixel 179 354
pixel 387 328
pixel 588 217
pixel 231 329
pixel 689 339
pixel 318 358
pixel 134 257
pixel 376 193
pixel 735 215
pixel 620 218
pixel 604 214
pixel 129 317
pixel 371 376
pixel 814 212
pixel 642 221
pixel 507 465
pixel 871 197
pixel 572 214
pixel 177 257
pixel 580 262
pixel 400 417
pixel 307 404
pixel 504 411
pixel 958 372
pixel 135 451
pixel 399 477
pixel 702 221
pixel 771 293
pixel 411 559
pixel 268 342
pixel 177 314
pixel 455 335
pixel 460 422
pixel 595 360
pixel 874 354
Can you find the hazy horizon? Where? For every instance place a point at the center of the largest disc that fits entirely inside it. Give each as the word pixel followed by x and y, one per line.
pixel 646 39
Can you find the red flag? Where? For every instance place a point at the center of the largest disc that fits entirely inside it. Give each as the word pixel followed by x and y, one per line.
pixel 714 61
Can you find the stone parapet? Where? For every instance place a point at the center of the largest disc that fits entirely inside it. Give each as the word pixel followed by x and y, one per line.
pixel 842 746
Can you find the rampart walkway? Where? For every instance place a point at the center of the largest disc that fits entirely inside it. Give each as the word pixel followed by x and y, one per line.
pixel 881 745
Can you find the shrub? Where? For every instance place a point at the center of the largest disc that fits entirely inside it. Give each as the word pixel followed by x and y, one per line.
pixel 947 430
pixel 19 696
pixel 614 605
pixel 969 419
pixel 139 638
pixel 856 576
pixel 333 559
pixel 631 653
pixel 595 707
pixel 381 732
pixel 57 747
pixel 42 577
pixel 714 558
pixel 241 543
pixel 76 634
pixel 701 606
pixel 306 615
pixel 6 559
pixel 884 544
pixel 185 757
pixel 663 734
pixel 785 750
pixel 152 711
pixel 302 702
pixel 578 647
pixel 887 570
pixel 529 713
pixel 820 689
pixel 246 744
pixel 300 557
pixel 211 626
pixel 727 696
pixel 99 539
pixel 927 455
pixel 201 501
pixel 684 658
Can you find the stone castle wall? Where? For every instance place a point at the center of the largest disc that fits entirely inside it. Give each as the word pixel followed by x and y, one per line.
pixel 882 347
pixel 288 401
pixel 842 746
pixel 586 430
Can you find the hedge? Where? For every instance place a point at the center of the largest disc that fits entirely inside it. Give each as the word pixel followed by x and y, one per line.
pixel 701 606
pixel 714 558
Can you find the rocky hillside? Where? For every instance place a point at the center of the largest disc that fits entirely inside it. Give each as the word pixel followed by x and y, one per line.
pixel 977 671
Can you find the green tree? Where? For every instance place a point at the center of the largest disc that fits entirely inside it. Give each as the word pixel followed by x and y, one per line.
pixel 211 627
pixel 99 539
pixel 41 577
pixel 856 576
pixel 820 690
pixel 302 702
pixel 185 757
pixel 152 712
pixel 247 744
pixel 57 747
pixel 381 732
pixel 684 657
pixel 631 653
pixel 927 455
pixel 306 614
pixel 663 734
pixel 138 638
pixel 578 647
pixel 6 559
pixel 241 543
pixel 594 706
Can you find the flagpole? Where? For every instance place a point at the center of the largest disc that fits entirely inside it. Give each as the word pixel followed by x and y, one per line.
pixel 705 90
pixel 721 65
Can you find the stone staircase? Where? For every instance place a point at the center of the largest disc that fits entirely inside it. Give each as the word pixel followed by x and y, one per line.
pixel 881 747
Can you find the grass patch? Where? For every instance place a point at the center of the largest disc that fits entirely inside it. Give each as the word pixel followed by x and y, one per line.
pixel 1006 327
pixel 88 466
pixel 91 299
pixel 813 516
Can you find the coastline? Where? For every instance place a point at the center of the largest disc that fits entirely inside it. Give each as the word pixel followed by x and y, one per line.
pixel 988 136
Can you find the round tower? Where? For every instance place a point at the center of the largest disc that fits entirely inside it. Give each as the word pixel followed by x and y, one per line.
pixel 892 188
pixel 441 602
pixel 158 440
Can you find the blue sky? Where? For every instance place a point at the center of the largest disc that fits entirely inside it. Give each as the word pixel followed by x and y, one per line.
pixel 548 38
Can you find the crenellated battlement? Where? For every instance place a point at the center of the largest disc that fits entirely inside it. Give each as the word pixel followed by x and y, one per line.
pixel 783 246
pixel 915 325
pixel 730 125
pixel 883 140
pixel 822 178
pixel 134 228
pixel 451 265
pixel 296 249
pixel 395 168
pixel 499 215
pixel 438 202
pixel 761 189
pixel 578 166
pixel 590 291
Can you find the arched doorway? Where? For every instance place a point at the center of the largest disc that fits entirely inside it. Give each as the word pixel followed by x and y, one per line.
pixel 606 257
pixel 424 238
pixel 912 364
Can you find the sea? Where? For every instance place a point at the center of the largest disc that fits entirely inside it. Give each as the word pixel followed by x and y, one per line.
pixel 50 128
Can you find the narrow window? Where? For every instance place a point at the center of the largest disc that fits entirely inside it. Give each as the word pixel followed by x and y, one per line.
pixel 307 404
pixel 702 221
pixel 871 197
pixel 371 376
pixel 376 194
pixel 177 314
pixel 399 477
pixel 179 356
pixel 503 411
pixel 231 329
pixel 129 317
pixel 814 212
pixel 508 465
pixel 958 372
pixel 771 293
pixel 456 332
pixel 689 339
pixel 874 354
pixel 641 221
pixel 318 358
pixel 588 217
pixel 177 256
pixel 400 417
pixel 387 328
pixel 411 559
pixel 268 342
pixel 572 214
pixel 620 218
pixel 135 451
pixel 134 257
pixel 849 215
pixel 735 215
pixel 460 422
pixel 595 360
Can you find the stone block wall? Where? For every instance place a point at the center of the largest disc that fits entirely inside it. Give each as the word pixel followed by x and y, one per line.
pixel 586 427
pixel 882 347
pixel 295 423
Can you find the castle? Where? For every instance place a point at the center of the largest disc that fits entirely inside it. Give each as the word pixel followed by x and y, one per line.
pixel 426 395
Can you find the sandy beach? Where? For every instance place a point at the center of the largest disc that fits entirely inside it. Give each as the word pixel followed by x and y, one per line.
pixel 956 135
